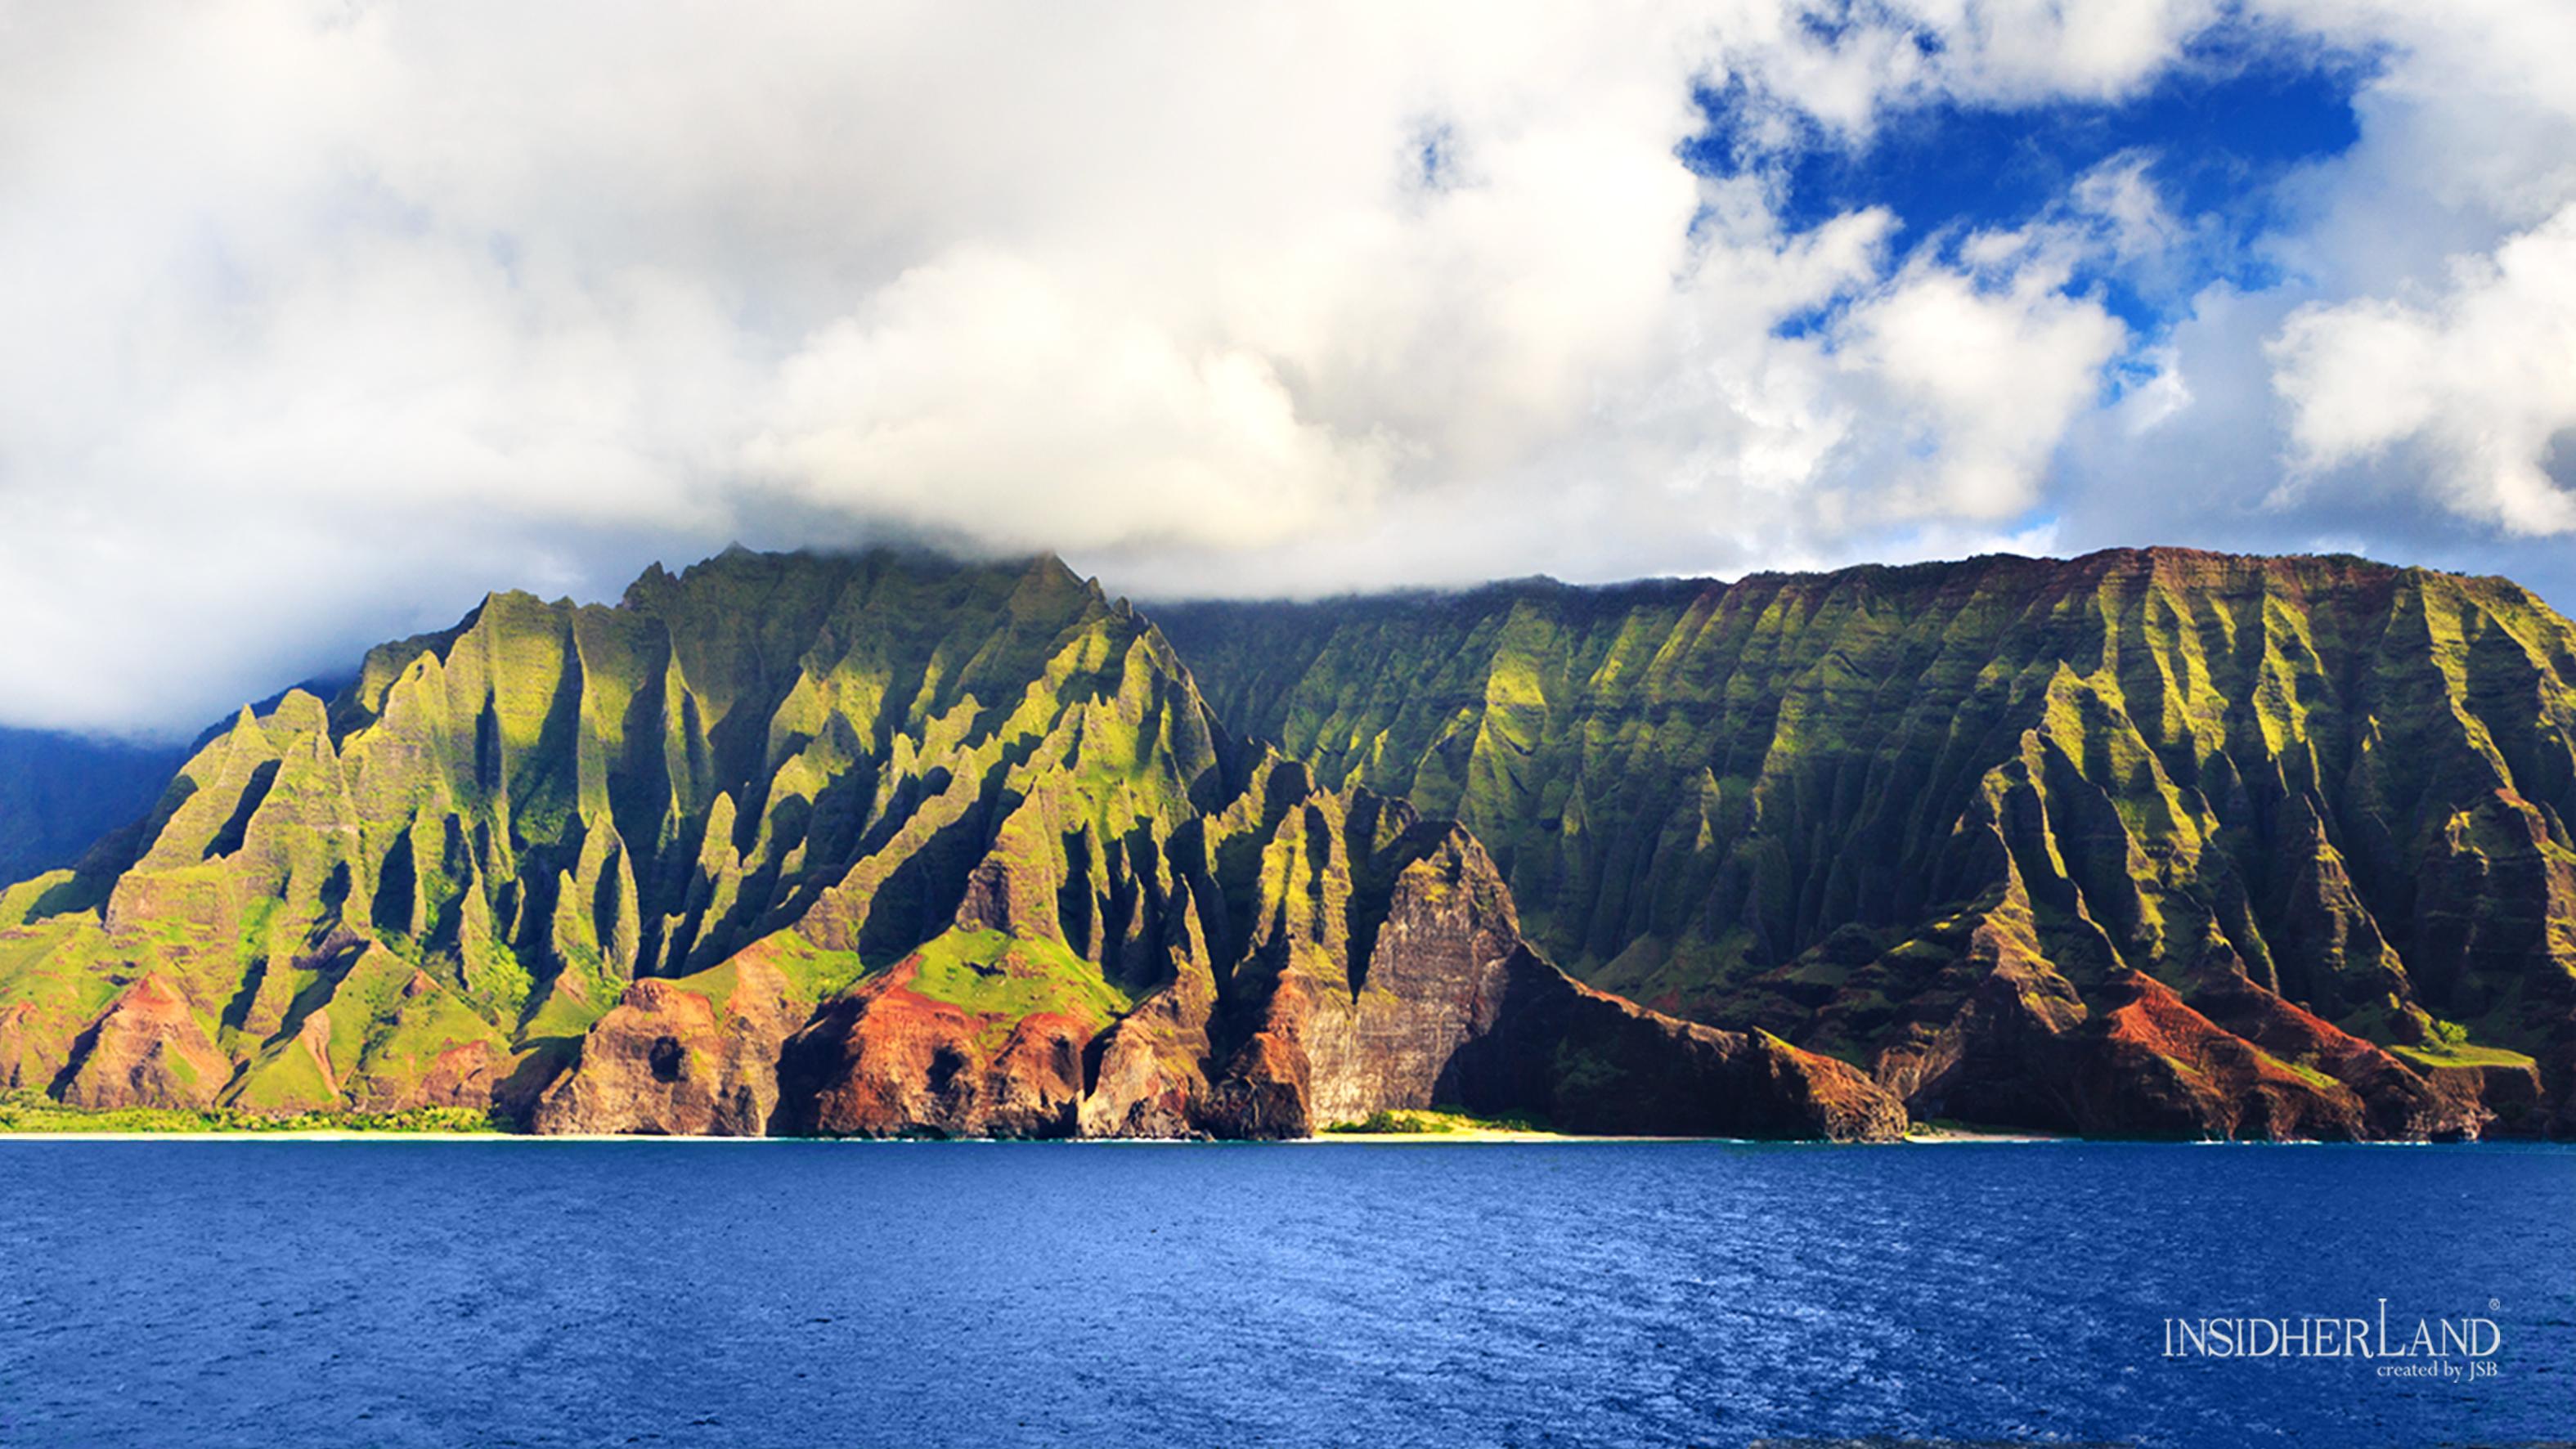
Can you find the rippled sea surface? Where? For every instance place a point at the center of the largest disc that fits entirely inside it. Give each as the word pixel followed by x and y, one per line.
pixel 487 1293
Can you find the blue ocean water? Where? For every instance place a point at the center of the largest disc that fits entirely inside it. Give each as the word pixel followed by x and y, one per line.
pixel 406 1292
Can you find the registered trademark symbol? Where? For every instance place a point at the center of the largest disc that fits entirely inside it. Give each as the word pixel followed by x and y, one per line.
pixel 2493 1305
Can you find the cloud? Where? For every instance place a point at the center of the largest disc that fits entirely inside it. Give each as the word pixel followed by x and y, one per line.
pixel 324 318
pixel 982 393
pixel 2023 51
pixel 1974 385
pixel 1845 66
pixel 2391 369
pixel 2482 379
pixel 320 319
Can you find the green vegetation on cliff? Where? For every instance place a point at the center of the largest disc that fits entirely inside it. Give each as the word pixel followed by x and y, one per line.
pixel 2154 841
pixel 1795 801
pixel 986 973
pixel 31 1112
pixel 430 889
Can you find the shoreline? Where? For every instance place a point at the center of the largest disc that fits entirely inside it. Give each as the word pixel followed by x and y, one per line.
pixel 1937 1136
pixel 1464 1137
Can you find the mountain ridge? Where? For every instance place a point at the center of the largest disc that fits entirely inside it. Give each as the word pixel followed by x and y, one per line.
pixel 1743 802
pixel 868 844
pixel 886 843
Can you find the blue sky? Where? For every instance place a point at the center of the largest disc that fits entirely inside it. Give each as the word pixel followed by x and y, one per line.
pixel 327 318
pixel 2216 133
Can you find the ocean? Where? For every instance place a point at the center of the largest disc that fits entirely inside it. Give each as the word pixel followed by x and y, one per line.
pixel 427 1292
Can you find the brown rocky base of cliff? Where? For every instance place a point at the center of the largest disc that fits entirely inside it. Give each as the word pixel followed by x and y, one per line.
pixel 1383 968
pixel 146 1050
pixel 2224 1059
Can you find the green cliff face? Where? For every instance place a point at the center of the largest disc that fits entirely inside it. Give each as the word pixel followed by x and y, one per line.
pixel 439 882
pixel 867 845
pixel 2162 843
pixel 1935 820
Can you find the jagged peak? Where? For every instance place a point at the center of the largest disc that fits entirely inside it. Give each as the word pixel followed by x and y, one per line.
pixel 650 584
pixel 302 711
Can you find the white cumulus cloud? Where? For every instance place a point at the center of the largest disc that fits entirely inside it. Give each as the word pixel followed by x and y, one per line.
pixel 2481 377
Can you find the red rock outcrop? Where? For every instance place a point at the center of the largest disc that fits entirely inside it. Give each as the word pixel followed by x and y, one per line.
pixel 19 1067
pixel 146 1050
pixel 465 1075
pixel 1380 966
pixel 2398 1102
pixel 882 1060
pixel 2150 1066
pixel 665 1062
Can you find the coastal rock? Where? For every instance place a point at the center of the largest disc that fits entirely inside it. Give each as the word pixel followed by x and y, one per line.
pixel 2150 1066
pixel 465 1075
pixel 666 1062
pixel 2398 1102
pixel 146 1050
pixel 1152 1072
pixel 885 1061
pixel 1987 1017
pixel 20 1067
pixel 1453 1008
